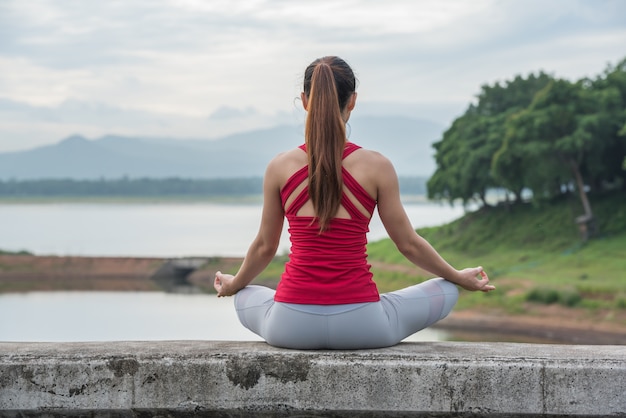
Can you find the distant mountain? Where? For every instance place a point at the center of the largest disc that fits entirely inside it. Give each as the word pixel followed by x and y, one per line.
pixel 407 142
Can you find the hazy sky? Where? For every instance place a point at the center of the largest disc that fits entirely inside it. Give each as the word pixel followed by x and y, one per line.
pixel 200 69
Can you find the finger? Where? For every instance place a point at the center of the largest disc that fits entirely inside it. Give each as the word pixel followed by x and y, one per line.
pixel 488 288
pixel 217 285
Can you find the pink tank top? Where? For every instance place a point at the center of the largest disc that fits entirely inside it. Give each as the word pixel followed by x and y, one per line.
pixel 328 268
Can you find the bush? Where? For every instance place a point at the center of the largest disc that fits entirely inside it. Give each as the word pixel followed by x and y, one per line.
pixel 543 295
pixel 569 298
pixel 549 296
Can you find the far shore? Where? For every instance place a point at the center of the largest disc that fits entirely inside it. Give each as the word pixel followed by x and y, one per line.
pixel 221 199
pixel 239 199
pixel 29 273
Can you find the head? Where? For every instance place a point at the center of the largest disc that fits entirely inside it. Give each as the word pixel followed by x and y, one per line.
pixel 328 97
pixel 344 80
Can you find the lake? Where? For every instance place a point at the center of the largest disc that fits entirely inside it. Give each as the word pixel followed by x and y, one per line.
pixel 168 229
pixel 128 316
pixel 144 229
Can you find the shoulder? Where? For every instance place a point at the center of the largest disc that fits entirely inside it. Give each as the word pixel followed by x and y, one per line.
pixel 372 170
pixel 293 157
pixel 371 160
pixel 284 164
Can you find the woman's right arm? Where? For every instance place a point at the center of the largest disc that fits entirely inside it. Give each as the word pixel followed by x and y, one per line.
pixel 414 247
pixel 264 246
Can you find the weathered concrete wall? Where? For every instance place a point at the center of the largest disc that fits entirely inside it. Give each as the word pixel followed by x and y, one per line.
pixel 201 378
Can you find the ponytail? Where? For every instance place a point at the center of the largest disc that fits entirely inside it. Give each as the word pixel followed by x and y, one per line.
pixel 325 136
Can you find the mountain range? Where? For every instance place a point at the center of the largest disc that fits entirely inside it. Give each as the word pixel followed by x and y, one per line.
pixel 405 141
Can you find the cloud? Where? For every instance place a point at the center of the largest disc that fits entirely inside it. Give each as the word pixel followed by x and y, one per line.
pixel 26 126
pixel 162 62
pixel 226 112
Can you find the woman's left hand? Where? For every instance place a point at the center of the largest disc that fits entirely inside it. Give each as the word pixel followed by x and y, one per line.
pixel 224 285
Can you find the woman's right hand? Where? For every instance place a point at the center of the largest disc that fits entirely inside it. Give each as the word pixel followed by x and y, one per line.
pixel 469 280
pixel 223 284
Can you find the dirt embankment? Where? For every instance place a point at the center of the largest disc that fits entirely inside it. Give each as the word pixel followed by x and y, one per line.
pixel 544 324
pixel 26 273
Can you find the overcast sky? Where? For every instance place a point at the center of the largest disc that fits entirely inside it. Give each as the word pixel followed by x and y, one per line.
pixel 200 69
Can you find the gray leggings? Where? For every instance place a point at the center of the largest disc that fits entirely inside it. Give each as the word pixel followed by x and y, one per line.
pixel 351 326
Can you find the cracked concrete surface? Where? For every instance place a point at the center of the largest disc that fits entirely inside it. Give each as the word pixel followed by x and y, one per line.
pixel 187 378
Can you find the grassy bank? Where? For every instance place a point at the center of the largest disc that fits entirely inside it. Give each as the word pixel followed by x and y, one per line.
pixel 534 255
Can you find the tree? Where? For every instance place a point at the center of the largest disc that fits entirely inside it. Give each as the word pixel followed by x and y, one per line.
pixel 464 155
pixel 607 124
pixel 547 135
pixel 450 180
pixel 555 132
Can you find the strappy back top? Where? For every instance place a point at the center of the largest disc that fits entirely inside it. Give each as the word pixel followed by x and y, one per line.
pixel 331 267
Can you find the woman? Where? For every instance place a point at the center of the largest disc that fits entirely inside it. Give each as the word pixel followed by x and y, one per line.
pixel 328 189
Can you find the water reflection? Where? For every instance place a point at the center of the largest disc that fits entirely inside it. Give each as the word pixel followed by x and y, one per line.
pixel 128 316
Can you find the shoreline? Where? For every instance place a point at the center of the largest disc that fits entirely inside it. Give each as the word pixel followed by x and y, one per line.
pixel 574 330
pixel 21 273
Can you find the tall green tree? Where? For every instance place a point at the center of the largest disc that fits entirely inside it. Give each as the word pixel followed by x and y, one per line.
pixel 607 125
pixel 547 135
pixel 452 179
pixel 465 153
pixel 555 132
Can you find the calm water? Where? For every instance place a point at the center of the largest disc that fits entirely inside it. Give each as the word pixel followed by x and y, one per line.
pixel 128 316
pixel 157 229
pixel 142 229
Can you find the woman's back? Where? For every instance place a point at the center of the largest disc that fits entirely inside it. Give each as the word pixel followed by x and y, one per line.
pixel 365 166
pixel 330 266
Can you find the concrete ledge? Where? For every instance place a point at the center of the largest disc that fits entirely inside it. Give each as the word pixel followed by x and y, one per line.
pixel 201 378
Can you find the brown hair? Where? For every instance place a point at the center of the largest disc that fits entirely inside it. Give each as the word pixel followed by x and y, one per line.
pixel 329 83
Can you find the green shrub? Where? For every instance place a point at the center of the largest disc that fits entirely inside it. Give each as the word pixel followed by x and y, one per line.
pixel 569 298
pixel 543 295
pixel 548 296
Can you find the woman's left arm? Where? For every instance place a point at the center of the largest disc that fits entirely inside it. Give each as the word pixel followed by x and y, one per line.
pixel 264 247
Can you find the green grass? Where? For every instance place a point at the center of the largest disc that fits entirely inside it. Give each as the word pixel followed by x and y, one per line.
pixel 533 254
